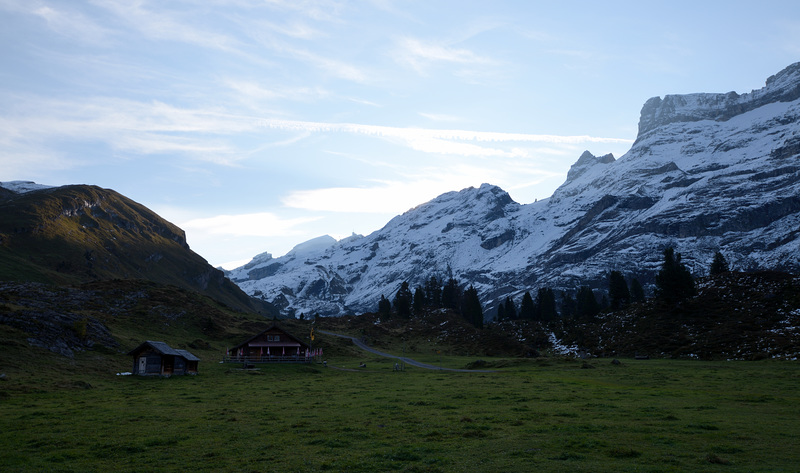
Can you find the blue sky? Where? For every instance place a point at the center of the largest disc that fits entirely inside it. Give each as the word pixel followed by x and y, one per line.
pixel 257 125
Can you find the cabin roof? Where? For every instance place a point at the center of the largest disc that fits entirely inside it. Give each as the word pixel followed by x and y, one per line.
pixel 164 349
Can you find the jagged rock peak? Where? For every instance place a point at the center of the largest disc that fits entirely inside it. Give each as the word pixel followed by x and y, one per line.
pixel 657 112
pixel 488 193
pixel 586 161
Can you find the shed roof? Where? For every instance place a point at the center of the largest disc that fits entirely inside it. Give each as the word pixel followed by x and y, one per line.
pixel 187 355
pixel 164 349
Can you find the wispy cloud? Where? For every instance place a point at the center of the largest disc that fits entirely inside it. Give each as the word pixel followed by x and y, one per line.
pixel 164 25
pixel 440 141
pixel 419 54
pixel 390 196
pixel 440 117
pixel 63 21
pixel 211 134
pixel 73 25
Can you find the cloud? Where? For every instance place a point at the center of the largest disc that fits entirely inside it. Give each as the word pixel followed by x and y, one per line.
pixel 392 197
pixel 440 117
pixel 262 224
pixel 73 25
pixel 439 141
pixel 420 54
pixel 332 67
pixel 162 25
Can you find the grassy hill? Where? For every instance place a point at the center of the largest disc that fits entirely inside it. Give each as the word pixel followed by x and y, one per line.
pixel 76 234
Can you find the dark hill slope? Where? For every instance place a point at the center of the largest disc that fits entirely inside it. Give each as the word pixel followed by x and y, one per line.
pixel 735 315
pixel 51 336
pixel 78 233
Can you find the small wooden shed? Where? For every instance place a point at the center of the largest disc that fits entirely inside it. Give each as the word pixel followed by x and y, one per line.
pixel 159 359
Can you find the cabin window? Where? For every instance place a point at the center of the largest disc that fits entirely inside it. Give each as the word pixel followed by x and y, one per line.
pixel 277 338
pixel 269 338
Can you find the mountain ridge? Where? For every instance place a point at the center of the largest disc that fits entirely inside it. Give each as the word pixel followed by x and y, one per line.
pixel 707 173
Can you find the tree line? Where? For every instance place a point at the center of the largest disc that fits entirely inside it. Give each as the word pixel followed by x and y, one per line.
pixel 673 284
pixel 435 294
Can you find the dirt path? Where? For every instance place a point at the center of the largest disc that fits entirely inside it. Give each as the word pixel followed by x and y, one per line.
pixel 405 360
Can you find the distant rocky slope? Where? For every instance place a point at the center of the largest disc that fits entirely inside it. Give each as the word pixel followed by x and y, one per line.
pixel 707 173
pixel 75 234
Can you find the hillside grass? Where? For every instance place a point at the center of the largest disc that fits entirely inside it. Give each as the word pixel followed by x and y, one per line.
pixel 545 414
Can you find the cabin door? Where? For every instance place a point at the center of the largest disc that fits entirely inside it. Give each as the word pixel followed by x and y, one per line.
pixel 142 364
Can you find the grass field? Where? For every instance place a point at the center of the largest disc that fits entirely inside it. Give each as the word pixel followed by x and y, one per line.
pixel 530 415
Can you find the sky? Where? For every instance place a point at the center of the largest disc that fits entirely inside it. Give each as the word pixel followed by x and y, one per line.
pixel 255 125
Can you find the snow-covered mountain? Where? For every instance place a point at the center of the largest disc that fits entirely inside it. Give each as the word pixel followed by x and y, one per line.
pixel 707 173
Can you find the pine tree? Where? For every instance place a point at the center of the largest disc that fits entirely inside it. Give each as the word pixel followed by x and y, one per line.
pixel 674 282
pixel 545 308
pixel 637 292
pixel 568 306
pixel 719 265
pixel 527 310
pixel 511 309
pixel 501 312
pixel 420 301
pixel 384 307
pixel 451 294
pixel 618 292
pixel 471 308
pixel 403 300
pixel 586 302
pixel 433 292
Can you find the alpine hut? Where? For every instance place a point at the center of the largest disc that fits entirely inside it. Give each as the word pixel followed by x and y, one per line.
pixel 159 359
pixel 273 345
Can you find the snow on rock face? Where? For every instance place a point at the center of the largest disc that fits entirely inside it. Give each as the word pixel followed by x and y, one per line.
pixel 782 87
pixel 707 173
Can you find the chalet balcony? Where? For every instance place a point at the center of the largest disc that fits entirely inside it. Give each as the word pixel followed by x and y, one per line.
pixel 267 359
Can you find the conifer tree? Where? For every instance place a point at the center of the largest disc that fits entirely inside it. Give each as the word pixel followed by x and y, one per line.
pixel 451 294
pixel 674 282
pixel 586 302
pixel 545 308
pixel 568 306
pixel 618 292
pixel 501 312
pixel 527 310
pixel 433 292
pixel 403 300
pixel 384 307
pixel 420 301
pixel 637 292
pixel 511 309
pixel 719 265
pixel 471 308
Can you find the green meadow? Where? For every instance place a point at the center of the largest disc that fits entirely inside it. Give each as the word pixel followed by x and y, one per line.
pixel 546 414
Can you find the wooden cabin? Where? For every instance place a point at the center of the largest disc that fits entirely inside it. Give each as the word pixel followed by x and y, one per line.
pixel 159 359
pixel 273 345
